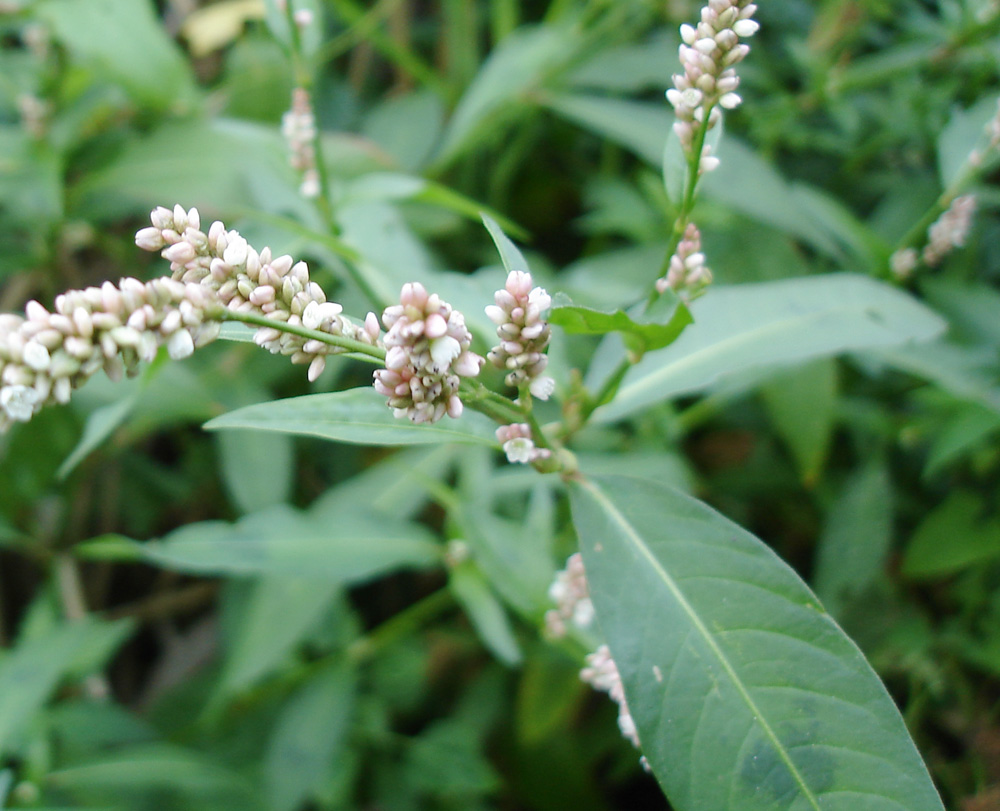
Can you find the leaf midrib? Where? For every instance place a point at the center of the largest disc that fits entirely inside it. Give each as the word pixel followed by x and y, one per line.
pixel 634 537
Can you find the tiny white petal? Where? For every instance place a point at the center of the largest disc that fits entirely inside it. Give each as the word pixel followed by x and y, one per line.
pixel 36 356
pixel 542 387
pixel 180 344
pixel 444 350
pixel 236 249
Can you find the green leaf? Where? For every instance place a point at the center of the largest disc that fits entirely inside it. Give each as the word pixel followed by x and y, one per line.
pixel 225 162
pixel 630 68
pixel 521 63
pixel 407 127
pixel 100 425
pixel 856 538
pixel 952 537
pixel 485 611
pixel 142 58
pixel 309 738
pixel 964 132
pixel 640 126
pixel 657 326
pixel 510 254
pixel 257 470
pixel 801 403
pixel 358 416
pixel 965 430
pixel 964 371
pixel 758 325
pixel 283 541
pixel 32 670
pixel 747 183
pixel 276 616
pixel 746 694
pixel 140 775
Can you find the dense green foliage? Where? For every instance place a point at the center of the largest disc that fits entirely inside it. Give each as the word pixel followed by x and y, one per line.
pixel 286 612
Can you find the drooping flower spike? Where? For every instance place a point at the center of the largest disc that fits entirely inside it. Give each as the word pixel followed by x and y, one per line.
pixel 45 355
pixel 247 281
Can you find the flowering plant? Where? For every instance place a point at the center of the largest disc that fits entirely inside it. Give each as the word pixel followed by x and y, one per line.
pixel 733 682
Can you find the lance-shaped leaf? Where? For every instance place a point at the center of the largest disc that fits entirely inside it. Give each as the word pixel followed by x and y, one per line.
pixel 359 416
pixel 283 541
pixel 763 325
pixel 746 694
pixel 656 327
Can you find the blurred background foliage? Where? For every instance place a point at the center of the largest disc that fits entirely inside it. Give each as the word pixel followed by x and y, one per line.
pixel 251 681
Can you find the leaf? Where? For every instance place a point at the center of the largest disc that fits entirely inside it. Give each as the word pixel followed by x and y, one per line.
pixel 143 58
pixel 964 371
pixel 278 613
pixel 258 470
pixel 963 133
pixel 964 431
pixel 32 670
pixel 640 126
pixel 485 612
pixel 630 68
pixel 510 254
pixel 756 325
pixel 517 66
pixel 407 127
pixel 747 183
pixel 140 775
pixel 225 161
pixel 310 737
pixel 657 327
pixel 801 403
pixel 856 538
pixel 283 541
pixel 359 416
pixel 746 694
pixel 101 424
pixel 952 537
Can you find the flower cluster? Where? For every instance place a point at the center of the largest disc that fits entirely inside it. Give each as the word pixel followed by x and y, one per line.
pixel 708 54
pixel 298 126
pixel 949 230
pixel 45 355
pixel 246 281
pixel 523 334
pixel 428 351
pixel 601 673
pixel 687 273
pixel 518 444
pixel 571 595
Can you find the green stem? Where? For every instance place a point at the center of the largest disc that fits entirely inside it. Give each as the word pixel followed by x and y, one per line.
pixel 402 625
pixel 358 347
pixel 611 384
pixel 537 432
pixel 498 408
pixel 687 202
pixel 304 78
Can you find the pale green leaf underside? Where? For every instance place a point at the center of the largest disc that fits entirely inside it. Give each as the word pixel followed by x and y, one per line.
pixel 747 696
pixel 359 416
pixel 285 542
pixel 772 323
